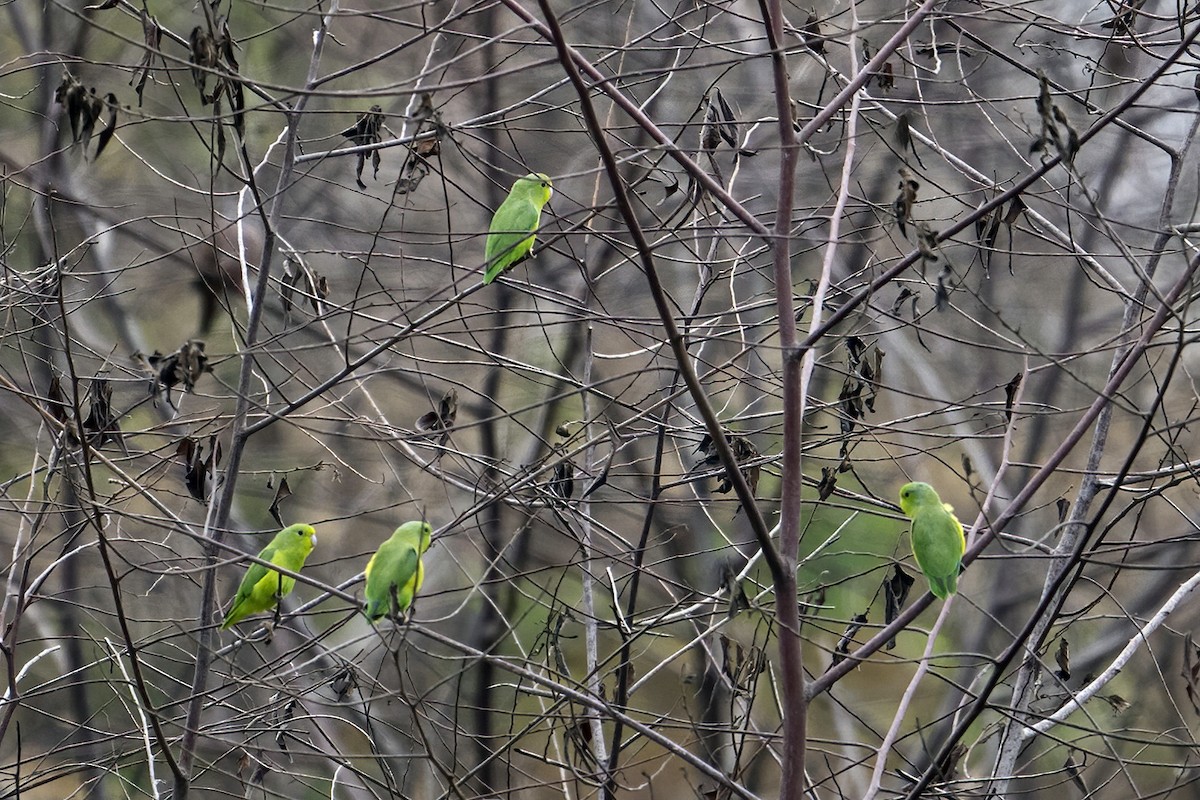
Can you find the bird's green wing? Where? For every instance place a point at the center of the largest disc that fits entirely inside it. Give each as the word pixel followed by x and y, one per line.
pixel 394 564
pixel 256 572
pixel 510 236
pixel 938 545
pixel 242 605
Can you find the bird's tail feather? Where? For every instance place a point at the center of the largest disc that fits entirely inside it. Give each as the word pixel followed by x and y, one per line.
pixel 944 587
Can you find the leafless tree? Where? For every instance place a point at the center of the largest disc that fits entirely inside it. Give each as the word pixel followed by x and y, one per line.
pixel 795 257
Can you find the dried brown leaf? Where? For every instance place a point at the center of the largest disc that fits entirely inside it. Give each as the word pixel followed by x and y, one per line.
pixel 895 593
pixel 1073 771
pixel 562 481
pixel 843 646
pixel 101 420
pixel 738 601
pixel 828 483
pixel 1062 657
pixel 443 418
pixel 902 206
pixel 812 35
pixel 282 492
pixel 151 41
pixel 1010 395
